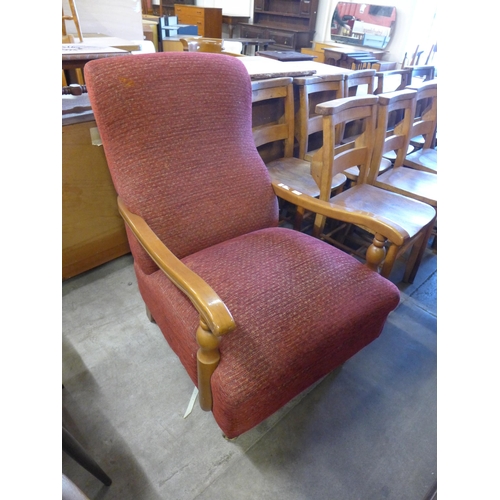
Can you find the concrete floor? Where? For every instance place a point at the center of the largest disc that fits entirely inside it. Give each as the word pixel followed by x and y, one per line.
pixel 366 433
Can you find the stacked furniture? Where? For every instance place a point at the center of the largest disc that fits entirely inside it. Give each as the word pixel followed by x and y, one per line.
pixel 290 23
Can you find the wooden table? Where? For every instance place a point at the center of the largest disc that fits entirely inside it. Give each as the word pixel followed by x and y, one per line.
pixel 231 21
pixel 262 67
pixel 76 55
pixel 339 55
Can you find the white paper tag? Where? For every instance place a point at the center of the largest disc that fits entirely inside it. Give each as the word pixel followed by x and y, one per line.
pixel 191 402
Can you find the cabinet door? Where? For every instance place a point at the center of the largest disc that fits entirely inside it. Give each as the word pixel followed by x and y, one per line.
pixel 259 5
pixel 305 7
pixel 283 38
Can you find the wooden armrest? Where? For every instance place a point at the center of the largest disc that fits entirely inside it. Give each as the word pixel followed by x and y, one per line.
pixel 211 308
pixel 373 222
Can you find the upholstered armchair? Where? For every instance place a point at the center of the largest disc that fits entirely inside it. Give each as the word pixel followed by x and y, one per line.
pixel 256 313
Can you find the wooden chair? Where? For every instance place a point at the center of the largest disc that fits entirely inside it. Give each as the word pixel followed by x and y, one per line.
pixel 312 90
pixel 360 82
pixel 408 223
pixel 400 179
pixel 273 132
pixel 393 80
pixel 256 313
pixel 73 17
pixel 423 73
pixel 424 129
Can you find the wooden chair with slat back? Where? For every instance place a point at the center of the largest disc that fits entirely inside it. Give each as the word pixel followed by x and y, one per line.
pixel 408 222
pixel 273 131
pixel 393 81
pixel 424 128
pixel 416 184
pixel 312 90
pixel 361 82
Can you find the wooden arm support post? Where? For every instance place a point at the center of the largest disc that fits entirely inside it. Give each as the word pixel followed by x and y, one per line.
pixel 215 318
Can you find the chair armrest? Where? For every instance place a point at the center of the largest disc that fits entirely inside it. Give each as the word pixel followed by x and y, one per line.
pixel 373 222
pixel 211 308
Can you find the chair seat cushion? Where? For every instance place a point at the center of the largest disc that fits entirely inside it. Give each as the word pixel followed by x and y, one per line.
pixel 278 284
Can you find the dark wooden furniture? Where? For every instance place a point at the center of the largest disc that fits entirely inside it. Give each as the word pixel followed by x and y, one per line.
pixel 233 21
pixel 291 23
pixel 255 42
pixel 208 19
pixel 285 55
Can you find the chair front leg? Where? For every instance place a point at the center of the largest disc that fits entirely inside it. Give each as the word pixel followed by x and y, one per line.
pixel 208 358
pixel 376 253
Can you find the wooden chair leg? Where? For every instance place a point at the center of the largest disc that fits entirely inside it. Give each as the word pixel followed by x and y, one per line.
pixel 75 450
pixel 390 258
pixel 416 255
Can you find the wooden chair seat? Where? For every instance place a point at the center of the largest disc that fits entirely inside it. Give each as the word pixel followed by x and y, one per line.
pixel 388 206
pixel 415 184
pixel 352 173
pixel 296 173
pixel 422 159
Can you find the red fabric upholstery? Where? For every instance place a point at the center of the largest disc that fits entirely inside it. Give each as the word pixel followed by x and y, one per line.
pixel 150 127
pixel 312 309
pixel 301 306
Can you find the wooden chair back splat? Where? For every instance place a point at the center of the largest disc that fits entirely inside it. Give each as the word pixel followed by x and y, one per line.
pixel 273 131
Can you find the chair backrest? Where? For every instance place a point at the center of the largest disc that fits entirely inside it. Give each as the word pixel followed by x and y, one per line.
pixel 361 77
pixel 313 90
pixel 328 162
pixel 393 80
pixel 202 45
pixel 273 117
pixel 425 121
pixel 402 105
pixel 176 130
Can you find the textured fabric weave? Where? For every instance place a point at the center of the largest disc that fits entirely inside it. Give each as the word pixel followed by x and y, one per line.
pixel 300 312
pixel 169 125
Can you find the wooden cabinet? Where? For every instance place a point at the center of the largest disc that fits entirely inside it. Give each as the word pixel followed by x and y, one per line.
pixel 165 7
pixel 291 23
pixel 93 231
pixel 208 19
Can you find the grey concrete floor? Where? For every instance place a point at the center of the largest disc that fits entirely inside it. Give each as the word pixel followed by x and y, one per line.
pixel 367 432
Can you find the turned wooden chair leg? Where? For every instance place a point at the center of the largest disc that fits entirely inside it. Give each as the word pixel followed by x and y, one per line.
pixel 376 253
pixel 389 261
